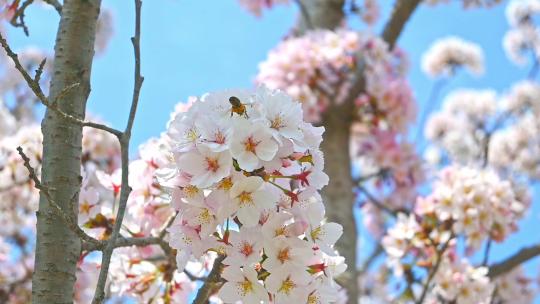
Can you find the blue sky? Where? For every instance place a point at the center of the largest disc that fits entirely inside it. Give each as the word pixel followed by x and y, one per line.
pixel 191 47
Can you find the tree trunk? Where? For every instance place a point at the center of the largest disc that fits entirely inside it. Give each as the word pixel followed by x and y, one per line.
pixel 58 248
pixel 338 195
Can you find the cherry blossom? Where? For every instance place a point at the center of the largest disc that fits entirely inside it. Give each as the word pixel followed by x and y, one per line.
pixel 448 54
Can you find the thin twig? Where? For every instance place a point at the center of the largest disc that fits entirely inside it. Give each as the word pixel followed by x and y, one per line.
pixel 33 83
pixel 214 278
pixel 433 271
pixel 19 14
pixel 124 149
pixel 378 203
pixel 486 251
pixel 379 173
pixel 57 209
pixel 429 106
pixel 193 277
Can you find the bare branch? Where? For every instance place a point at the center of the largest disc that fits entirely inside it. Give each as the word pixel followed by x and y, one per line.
pixel 305 14
pixel 57 209
pixel 29 80
pixel 522 256
pixel 19 14
pixel 54 3
pixel 433 270
pixel 213 280
pixel 402 11
pixel 33 83
pixel 378 203
pixel 124 148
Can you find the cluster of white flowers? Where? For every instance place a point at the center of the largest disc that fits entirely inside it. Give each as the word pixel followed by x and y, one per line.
pixel 450 53
pixel 245 180
pixel 514 286
pixel 472 120
pixel 456 280
pixel 524 35
pixel 455 127
pixel 133 275
pixel 478 203
pixel 256 7
pixel 517 147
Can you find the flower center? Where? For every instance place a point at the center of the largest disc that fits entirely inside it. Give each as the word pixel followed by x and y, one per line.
pixel 312 299
pixel 245 198
pixel 245 287
pixel 287 286
pixel 246 249
pixel 192 134
pixel 205 216
pixel 315 233
pixel 250 145
pixel 219 137
pixel 212 164
pixel 283 255
pixel 85 207
pixel 277 123
pixel 225 184
pixel 190 191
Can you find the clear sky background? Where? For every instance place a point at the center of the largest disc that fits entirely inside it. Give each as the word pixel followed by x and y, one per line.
pixel 190 47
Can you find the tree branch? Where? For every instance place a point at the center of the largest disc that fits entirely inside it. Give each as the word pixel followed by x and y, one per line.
pixel 54 3
pixel 33 83
pixel 211 282
pixel 57 209
pixel 124 148
pixel 433 271
pixel 511 262
pixel 378 203
pixel 19 14
pixel 403 9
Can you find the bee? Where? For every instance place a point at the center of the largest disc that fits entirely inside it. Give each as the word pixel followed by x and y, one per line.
pixel 237 107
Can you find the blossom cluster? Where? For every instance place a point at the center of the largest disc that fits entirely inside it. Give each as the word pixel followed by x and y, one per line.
pixel 477 203
pixel 465 204
pixel 449 53
pixel 319 68
pixel 483 127
pixel 523 35
pixel 245 183
pixel 457 280
pixel 516 147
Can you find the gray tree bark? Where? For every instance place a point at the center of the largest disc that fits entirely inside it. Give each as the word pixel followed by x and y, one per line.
pixel 58 248
pixel 338 195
